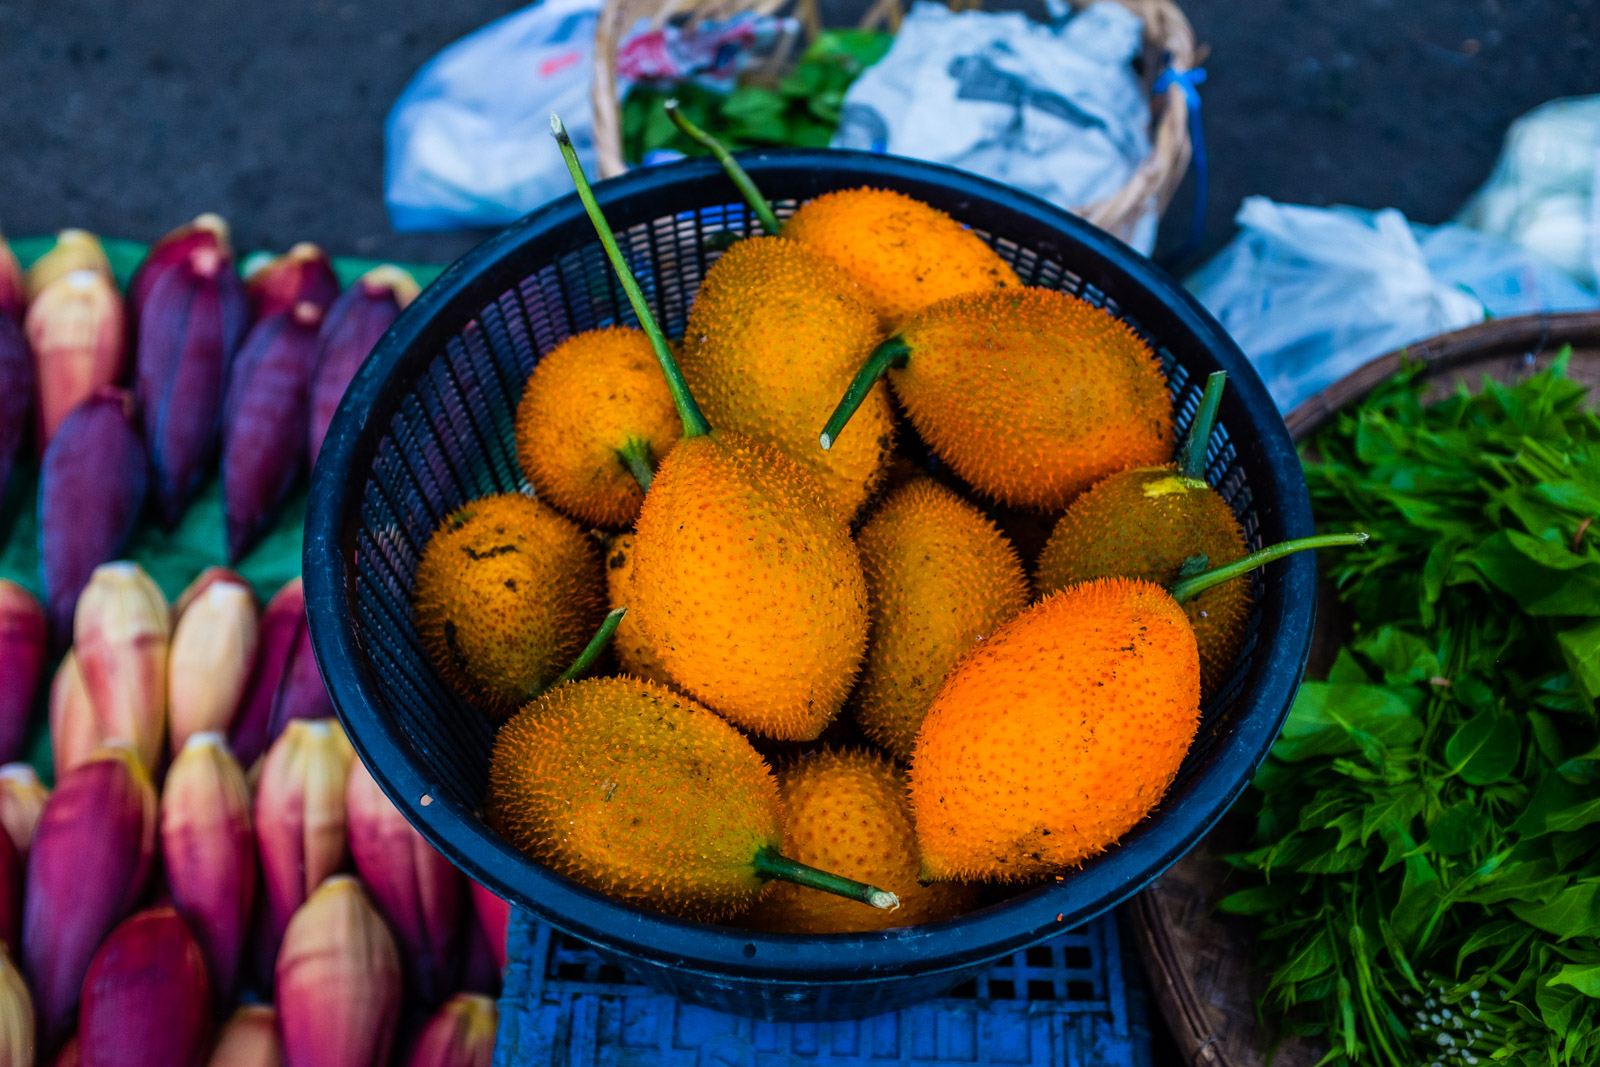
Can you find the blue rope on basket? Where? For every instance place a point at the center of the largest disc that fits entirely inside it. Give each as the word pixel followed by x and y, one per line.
pixel 1189 81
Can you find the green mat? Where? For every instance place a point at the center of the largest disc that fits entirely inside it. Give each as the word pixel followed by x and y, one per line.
pixel 200 540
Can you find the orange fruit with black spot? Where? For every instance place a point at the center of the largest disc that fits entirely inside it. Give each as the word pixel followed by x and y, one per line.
pixel 1054 737
pixel 749 587
pixel 635 654
pixel 847 812
pixel 506 595
pixel 905 254
pixel 594 411
pixel 1146 523
pixel 940 578
pixel 1030 395
pixel 775 335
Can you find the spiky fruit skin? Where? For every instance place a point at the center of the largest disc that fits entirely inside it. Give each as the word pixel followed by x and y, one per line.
pixel 1051 739
pixel 904 254
pixel 586 399
pixel 775 335
pixel 632 790
pixel 507 594
pixel 1032 395
pixel 1144 523
pixel 940 578
pixel 749 585
pixel 635 654
pixel 847 812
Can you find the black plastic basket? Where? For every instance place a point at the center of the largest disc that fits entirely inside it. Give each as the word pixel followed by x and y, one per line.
pixel 427 426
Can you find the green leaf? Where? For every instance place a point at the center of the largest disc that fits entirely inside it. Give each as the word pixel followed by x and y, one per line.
pixel 1403 657
pixel 1460 829
pixel 1396 807
pixel 1573 912
pixel 1498 932
pixel 1545 551
pixel 1258 900
pixel 1585 978
pixel 1325 718
pixel 1485 748
pixel 1540 590
pixel 1580 646
pixel 1557 805
pixel 1311 957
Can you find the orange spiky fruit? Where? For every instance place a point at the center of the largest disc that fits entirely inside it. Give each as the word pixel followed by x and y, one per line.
pixel 507 593
pixel 635 653
pixel 744 577
pixel 847 812
pixel 775 335
pixel 628 788
pixel 1030 395
pixel 940 578
pixel 1152 522
pixel 1051 739
pixel 594 419
pixel 1054 737
pixel 905 254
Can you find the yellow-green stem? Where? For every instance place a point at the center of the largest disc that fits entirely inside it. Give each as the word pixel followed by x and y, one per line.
pixel 591 652
pixel 635 455
pixel 891 353
pixel 1189 588
pixel 769 863
pixel 1193 461
pixel 694 423
pixel 747 185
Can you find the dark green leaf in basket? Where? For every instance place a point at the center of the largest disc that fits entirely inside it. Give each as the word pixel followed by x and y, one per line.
pixel 1580 646
pixel 1485 748
pixel 1401 655
pixel 1460 829
pixel 1392 808
pixel 1313 956
pixel 1492 935
pixel 1573 912
pixel 1538 589
pixel 1258 899
pixel 1331 719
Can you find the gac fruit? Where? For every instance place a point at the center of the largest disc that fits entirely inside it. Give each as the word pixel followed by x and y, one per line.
pixel 940 578
pixel 749 587
pixel 775 335
pixel 847 812
pixel 507 593
pixel 905 254
pixel 1147 523
pixel 632 790
pixel 1030 395
pixel 594 419
pixel 635 654
pixel 1051 739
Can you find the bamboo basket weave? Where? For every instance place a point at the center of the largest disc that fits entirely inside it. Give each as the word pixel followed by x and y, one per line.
pixel 1200 961
pixel 1168 43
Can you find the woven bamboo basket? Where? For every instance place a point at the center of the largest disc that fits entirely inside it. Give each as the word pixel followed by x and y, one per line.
pixel 1198 960
pixel 1168 43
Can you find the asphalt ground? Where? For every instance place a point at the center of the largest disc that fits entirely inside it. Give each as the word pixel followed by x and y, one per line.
pixel 128 118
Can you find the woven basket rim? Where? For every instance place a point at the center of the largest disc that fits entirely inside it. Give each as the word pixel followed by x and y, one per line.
pixel 1169 44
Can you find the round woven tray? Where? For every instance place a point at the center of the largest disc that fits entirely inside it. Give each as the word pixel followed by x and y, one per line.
pixel 1199 961
pixel 1168 41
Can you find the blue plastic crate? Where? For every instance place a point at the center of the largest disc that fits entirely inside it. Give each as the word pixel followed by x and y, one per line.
pixel 1065 1002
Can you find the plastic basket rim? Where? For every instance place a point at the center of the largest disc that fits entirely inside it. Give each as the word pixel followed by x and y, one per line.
pixel 456 297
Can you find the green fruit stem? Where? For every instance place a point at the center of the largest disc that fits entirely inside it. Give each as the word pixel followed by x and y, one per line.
pixel 770 864
pixel 591 652
pixel 635 455
pixel 892 353
pixel 1193 460
pixel 694 423
pixel 1189 588
pixel 742 179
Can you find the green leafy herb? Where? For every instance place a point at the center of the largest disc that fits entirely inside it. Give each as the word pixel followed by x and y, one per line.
pixel 1425 871
pixel 801 108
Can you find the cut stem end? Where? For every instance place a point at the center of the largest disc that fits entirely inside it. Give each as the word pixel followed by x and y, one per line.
pixel 769 863
pixel 892 353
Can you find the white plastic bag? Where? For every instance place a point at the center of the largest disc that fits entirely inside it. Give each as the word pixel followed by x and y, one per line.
pixel 467 143
pixel 1056 112
pixel 1544 192
pixel 1310 294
